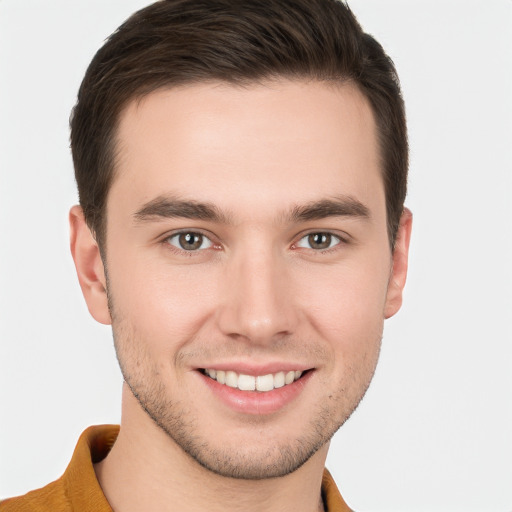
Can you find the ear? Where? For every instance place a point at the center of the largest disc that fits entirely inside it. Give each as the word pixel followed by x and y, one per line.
pixel 400 263
pixel 89 266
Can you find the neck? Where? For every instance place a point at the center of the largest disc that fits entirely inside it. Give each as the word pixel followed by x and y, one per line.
pixel 146 470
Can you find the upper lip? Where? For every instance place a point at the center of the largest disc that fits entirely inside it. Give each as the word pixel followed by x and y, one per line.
pixel 257 369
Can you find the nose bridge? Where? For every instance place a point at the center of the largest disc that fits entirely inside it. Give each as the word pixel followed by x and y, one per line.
pixel 258 304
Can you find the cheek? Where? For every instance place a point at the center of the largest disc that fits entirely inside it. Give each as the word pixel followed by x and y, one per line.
pixel 346 306
pixel 164 304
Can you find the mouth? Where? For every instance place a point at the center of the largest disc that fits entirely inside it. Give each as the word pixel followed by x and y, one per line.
pixel 257 383
pixel 262 393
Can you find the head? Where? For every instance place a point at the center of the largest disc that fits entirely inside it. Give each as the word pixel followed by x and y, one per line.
pixel 242 169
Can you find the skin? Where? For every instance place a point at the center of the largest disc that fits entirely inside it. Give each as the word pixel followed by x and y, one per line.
pixel 255 293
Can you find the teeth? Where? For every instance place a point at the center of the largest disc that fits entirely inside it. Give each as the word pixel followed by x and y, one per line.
pixel 251 383
pixel 231 379
pixel 265 382
pixel 279 380
pixel 221 377
pixel 247 382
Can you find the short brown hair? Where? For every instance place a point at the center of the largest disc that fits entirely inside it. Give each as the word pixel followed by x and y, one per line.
pixel 176 42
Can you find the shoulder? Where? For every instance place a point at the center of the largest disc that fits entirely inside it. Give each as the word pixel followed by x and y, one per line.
pixel 78 487
pixel 49 498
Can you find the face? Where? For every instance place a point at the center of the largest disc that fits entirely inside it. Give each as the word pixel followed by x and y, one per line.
pixel 249 268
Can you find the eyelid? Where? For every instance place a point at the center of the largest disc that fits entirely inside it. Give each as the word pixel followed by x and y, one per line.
pixel 180 231
pixel 342 237
pixel 175 233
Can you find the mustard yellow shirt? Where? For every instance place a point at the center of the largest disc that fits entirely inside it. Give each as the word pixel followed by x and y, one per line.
pixel 78 490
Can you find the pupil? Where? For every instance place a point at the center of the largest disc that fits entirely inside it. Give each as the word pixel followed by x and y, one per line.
pixel 189 241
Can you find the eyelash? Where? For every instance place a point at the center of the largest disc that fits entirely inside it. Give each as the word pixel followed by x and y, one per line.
pixel 189 252
pixel 336 238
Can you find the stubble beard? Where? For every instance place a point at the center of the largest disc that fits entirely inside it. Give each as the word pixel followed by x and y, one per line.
pixel 180 422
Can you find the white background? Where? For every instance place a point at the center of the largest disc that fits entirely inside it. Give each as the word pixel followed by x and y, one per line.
pixel 435 430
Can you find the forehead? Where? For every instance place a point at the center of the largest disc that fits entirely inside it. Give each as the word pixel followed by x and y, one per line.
pixel 265 144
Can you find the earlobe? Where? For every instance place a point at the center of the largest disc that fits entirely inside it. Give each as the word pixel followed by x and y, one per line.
pixel 400 264
pixel 89 266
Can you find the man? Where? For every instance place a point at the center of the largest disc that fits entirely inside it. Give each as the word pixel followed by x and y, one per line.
pixel 242 170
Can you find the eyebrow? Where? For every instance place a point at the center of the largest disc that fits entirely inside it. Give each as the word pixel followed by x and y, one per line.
pixel 171 207
pixel 165 207
pixel 341 206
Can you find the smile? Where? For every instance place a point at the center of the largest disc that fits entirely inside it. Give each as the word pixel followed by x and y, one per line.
pixel 261 383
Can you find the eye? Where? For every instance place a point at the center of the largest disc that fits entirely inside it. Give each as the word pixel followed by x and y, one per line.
pixel 190 241
pixel 319 241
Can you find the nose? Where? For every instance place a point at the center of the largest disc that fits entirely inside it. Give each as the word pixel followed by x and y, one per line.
pixel 257 303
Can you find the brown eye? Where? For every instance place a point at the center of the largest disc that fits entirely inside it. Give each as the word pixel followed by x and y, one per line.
pixel 190 241
pixel 319 241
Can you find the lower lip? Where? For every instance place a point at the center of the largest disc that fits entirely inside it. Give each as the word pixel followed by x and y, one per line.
pixel 257 402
